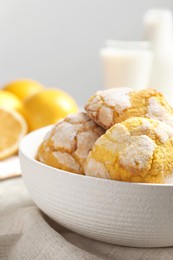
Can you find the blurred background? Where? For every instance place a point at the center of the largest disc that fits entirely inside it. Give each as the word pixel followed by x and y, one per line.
pixel 57 42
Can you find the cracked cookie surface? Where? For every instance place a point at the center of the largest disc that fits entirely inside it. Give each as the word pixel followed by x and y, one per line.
pixel 136 150
pixel 68 143
pixel 112 106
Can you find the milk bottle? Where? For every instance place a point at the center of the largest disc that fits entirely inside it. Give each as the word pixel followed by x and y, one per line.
pixel 159 30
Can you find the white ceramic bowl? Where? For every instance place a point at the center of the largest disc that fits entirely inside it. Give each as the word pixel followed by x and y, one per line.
pixel 121 213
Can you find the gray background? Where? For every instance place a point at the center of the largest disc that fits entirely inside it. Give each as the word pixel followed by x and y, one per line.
pixel 57 42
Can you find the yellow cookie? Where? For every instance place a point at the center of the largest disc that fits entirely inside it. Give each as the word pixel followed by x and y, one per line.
pixel 136 150
pixel 112 106
pixel 67 145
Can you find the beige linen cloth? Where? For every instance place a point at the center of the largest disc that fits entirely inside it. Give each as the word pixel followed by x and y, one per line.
pixel 27 234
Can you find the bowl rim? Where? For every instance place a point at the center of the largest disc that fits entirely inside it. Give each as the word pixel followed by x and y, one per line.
pixel 102 180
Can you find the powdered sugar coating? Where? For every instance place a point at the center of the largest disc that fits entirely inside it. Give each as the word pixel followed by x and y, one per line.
pixel 164 132
pixel 158 112
pixel 105 115
pixel 138 153
pixel 84 141
pixel 64 136
pixel 97 169
pixel 113 106
pixel 102 106
pixel 138 149
pixel 67 159
pixel 69 142
pixel 146 125
pixel 117 98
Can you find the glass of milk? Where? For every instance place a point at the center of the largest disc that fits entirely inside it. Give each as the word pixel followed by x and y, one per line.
pixel 127 63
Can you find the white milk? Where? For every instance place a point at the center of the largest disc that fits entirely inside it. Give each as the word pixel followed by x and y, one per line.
pixel 126 64
pixel 159 30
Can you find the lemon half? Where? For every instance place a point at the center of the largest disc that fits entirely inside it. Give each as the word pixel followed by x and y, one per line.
pixel 12 128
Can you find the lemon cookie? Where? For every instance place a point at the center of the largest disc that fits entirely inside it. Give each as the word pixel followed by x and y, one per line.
pixel 67 145
pixel 112 106
pixel 136 150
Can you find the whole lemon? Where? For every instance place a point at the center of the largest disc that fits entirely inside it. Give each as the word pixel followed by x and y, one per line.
pixel 10 101
pixel 47 107
pixel 23 88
